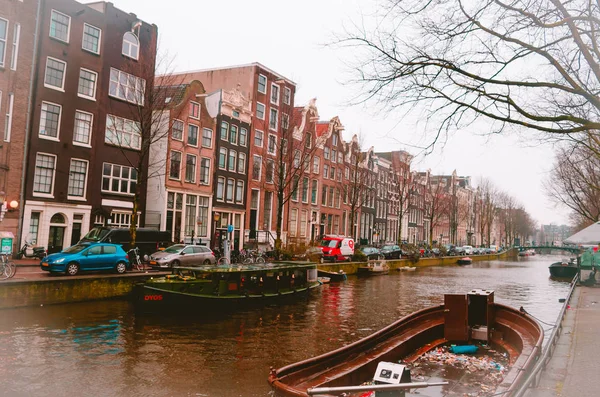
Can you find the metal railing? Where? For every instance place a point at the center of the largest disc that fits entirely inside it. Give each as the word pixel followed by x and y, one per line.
pixel 534 377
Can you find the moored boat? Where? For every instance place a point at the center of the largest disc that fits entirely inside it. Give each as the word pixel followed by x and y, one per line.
pixel 462 319
pixel 333 276
pixel 407 268
pixel 564 269
pixel 373 268
pixel 464 261
pixel 211 287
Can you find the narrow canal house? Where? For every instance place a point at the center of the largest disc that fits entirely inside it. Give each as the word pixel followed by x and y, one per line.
pixel 17 37
pixel 180 193
pixel 94 62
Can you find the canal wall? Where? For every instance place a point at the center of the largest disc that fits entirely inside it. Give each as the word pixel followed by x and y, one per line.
pixel 21 293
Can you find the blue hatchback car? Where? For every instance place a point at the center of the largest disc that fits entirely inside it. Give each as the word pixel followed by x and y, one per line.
pixel 87 257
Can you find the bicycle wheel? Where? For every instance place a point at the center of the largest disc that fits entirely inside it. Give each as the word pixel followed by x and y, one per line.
pixel 247 261
pixel 223 261
pixel 12 267
pixel 260 259
pixel 4 271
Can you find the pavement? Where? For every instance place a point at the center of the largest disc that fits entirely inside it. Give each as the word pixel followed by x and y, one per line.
pixel 572 370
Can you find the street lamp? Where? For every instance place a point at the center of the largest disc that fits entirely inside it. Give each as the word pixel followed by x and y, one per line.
pixel 216 218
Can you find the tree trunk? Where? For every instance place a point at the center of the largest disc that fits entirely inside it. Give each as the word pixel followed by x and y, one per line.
pixel 279 224
pixel 353 233
pixel 134 218
pixel 400 229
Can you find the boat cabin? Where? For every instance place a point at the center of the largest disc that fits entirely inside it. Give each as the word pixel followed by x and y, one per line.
pixel 469 316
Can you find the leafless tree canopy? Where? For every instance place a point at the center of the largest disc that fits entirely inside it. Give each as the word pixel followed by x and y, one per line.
pixel 527 63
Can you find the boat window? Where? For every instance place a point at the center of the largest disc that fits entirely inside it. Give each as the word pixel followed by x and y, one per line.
pixel 174 249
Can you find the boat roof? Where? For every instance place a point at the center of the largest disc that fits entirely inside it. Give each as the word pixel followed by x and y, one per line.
pixel 247 268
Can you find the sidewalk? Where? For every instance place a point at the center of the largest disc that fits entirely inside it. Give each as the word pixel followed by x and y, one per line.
pixel 26 262
pixel 572 370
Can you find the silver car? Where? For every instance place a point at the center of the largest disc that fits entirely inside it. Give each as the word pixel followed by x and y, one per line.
pixel 183 255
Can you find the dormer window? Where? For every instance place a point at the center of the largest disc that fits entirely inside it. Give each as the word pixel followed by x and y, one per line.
pixel 131 46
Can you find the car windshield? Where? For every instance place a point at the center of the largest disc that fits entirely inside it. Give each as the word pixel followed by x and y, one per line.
pixel 368 249
pixel 174 249
pixel 96 234
pixel 329 243
pixel 388 247
pixel 75 249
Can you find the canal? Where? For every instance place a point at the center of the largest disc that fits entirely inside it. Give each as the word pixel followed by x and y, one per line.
pixel 105 349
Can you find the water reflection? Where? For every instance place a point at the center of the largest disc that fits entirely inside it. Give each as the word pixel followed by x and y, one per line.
pixel 104 348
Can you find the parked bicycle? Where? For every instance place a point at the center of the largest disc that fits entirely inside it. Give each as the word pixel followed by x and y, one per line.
pixel 7 267
pixel 252 256
pixel 135 259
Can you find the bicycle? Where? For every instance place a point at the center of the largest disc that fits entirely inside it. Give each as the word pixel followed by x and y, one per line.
pixel 223 261
pixel 135 259
pixel 7 268
pixel 253 257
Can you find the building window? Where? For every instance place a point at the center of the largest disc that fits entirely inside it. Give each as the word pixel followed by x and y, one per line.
pixel 127 87
pixel 175 169
pixel 326 152
pixel 325 171
pixel 83 127
pixel 190 168
pixel 287 95
pixel 91 38
pixel 15 46
pixel 260 111
pixel 50 120
pixel 123 132
pixel 207 137
pixel 272 145
pixel 87 84
pixel 293 222
pixel 60 25
pixel 204 171
pixel 224 130
pixel 239 192
pixel 118 179
pixel 258 138
pixel 8 118
pixel 273 119
pixel 177 130
pixel 194 110
pixel 340 157
pixel 222 158
pixel 241 163
pixel 294 194
pixel 55 74
pixel 233 134
pixel 43 178
pixel 122 219
pixel 256 167
pixel 262 84
pixel 330 201
pixel 192 138
pixel 77 178
pixel 305 190
pixel 270 171
pixel 303 220
pixel 235 114
pixel 314 192
pixel 131 46
pixel 3 39
pixel 220 188
pixel 285 123
pixel 202 219
pixel 333 156
pixel 275 94
pixel 34 225
pixel 229 191
pixel 267 210
pixel 316 164
pixel 243 137
pixel 324 196
pixel 232 160
pixel 190 215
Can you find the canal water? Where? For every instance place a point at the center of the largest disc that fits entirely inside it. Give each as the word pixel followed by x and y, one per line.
pixel 105 349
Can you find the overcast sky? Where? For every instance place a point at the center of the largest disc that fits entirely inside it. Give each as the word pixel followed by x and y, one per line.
pixel 290 37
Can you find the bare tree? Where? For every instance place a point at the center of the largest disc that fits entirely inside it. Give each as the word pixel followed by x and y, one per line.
pixel 574 182
pixel 532 64
pixel 404 186
pixel 436 205
pixel 487 209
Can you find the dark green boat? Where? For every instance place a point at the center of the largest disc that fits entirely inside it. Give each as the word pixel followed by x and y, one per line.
pixel 218 287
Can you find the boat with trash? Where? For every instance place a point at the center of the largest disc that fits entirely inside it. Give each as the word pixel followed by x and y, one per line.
pixel 213 287
pixel 469 345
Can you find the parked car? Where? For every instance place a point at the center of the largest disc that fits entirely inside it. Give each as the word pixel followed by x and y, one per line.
pixel 371 252
pixel 312 254
pixel 147 240
pixel 468 249
pixel 183 255
pixel 87 257
pixel 435 251
pixel 337 248
pixel 391 251
pixel 460 250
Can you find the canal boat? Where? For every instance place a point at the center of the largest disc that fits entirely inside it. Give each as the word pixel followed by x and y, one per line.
pixel 564 269
pixel 464 261
pixel 333 276
pixel 463 320
pixel 373 268
pixel 214 287
pixel 407 268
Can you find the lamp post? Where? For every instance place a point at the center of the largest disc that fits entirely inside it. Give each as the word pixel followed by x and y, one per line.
pixel 216 219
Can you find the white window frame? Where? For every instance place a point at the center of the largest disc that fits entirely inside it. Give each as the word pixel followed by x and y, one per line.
pixel 193 180
pixel 51 194
pixel 285 121
pixel 78 143
pixel 240 137
pixel 274 152
pixel 264 110
pixel 211 137
pixel 207 182
pixel 53 87
pixel 9 116
pixel 271 110
pixel 182 129
pixel 99 38
pixel 258 84
pixel 230 155
pixel 254 156
pixel 140 87
pixel 120 178
pixel 187 137
pixel 272 181
pixel 241 155
pixel 120 134
pixel 85 181
pixel 278 89
pixel 15 46
pixel 79 94
pixel 262 140
pixel 222 150
pixel 68 26
pixel 316 164
pixel 180 164
pixel 222 198
pixel 193 103
pixel 50 138
pixel 235 196
pixel 287 94
pixel 232 190
pixel 4 40
pixel 137 45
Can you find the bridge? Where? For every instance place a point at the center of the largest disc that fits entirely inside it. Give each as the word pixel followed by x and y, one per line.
pixel 573 249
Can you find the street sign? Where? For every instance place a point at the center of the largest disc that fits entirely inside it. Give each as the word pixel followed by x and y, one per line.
pixel 229 228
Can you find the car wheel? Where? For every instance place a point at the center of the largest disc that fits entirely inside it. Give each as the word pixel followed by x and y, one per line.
pixel 72 269
pixel 175 263
pixel 206 262
pixel 121 267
